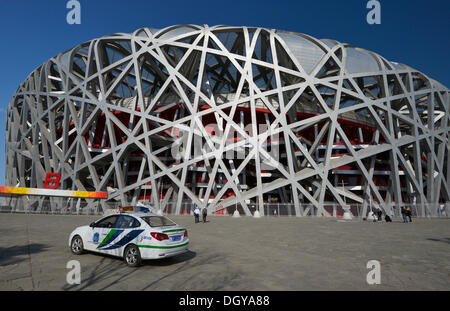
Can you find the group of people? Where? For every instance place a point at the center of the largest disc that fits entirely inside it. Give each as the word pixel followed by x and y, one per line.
pixel 406 213
pixel 379 216
pixel 197 214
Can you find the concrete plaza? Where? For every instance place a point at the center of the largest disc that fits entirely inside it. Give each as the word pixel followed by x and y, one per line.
pixel 271 253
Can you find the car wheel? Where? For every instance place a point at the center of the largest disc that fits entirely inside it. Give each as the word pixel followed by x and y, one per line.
pixel 132 256
pixel 77 245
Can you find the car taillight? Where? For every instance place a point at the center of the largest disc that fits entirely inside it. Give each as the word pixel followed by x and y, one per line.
pixel 185 233
pixel 159 236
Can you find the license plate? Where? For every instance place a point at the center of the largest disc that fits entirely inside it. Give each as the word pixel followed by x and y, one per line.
pixel 176 238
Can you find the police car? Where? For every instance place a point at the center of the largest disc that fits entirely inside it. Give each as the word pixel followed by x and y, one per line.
pixel 132 236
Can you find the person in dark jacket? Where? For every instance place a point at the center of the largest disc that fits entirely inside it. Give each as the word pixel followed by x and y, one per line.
pixel 380 215
pixel 204 213
pixel 408 213
pixel 403 210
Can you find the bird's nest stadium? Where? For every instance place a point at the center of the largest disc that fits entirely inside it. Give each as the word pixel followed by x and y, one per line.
pixel 232 117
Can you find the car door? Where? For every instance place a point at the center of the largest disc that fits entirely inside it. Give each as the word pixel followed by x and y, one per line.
pixel 126 229
pixel 102 232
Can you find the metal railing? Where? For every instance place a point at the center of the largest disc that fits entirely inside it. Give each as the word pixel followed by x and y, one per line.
pixel 429 210
pixel 63 206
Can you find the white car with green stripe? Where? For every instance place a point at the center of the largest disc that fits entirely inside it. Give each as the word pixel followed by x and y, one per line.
pixel 135 237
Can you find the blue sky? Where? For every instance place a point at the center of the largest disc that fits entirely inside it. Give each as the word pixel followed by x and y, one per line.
pixel 412 32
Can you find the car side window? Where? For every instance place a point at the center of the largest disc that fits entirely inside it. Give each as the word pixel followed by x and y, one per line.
pixel 127 222
pixel 136 223
pixel 108 222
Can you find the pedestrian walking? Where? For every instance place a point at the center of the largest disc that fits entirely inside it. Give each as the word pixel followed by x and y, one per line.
pixel 380 215
pixel 408 213
pixel 204 213
pixel 403 210
pixel 197 214
pixel 387 218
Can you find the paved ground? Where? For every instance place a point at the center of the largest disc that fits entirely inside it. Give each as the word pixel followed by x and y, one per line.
pixel 237 254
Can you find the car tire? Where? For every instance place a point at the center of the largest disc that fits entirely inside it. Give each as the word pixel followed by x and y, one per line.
pixel 132 256
pixel 76 246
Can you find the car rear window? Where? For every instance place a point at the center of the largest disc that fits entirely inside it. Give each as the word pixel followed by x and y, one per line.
pixel 158 221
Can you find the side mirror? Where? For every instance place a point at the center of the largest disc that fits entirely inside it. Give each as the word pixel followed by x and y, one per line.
pixel 92 225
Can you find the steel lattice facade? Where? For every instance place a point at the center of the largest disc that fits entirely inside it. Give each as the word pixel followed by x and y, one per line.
pixel 189 113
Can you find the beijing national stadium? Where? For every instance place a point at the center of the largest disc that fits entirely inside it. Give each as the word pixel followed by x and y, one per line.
pixel 231 117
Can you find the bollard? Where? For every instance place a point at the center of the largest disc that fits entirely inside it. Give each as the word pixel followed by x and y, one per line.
pixel 347 215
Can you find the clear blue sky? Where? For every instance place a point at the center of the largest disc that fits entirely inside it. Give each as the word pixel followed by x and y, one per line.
pixel 412 32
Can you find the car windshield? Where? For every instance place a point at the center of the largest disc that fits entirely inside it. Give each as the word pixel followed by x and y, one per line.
pixel 158 221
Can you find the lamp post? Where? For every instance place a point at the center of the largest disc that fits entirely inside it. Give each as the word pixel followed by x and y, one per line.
pixel 160 212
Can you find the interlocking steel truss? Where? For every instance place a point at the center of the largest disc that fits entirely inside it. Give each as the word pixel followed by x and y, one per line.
pixel 352 127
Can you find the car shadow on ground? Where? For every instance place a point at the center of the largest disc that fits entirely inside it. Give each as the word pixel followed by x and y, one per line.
pixel 111 270
pixel 149 262
pixel 188 266
pixel 443 240
pixel 15 254
pixel 170 260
